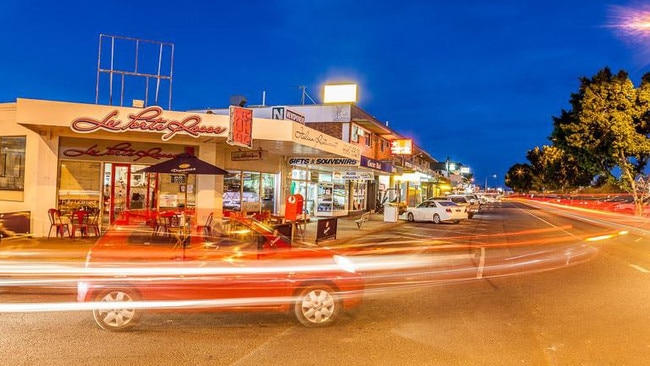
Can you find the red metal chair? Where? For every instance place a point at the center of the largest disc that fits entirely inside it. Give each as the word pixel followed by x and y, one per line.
pixel 57 223
pixel 93 223
pixel 79 222
pixel 206 229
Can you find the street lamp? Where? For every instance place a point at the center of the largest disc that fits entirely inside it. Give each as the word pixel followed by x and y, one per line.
pixel 486 181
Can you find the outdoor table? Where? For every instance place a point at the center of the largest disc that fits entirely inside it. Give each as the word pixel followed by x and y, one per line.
pixel 277 219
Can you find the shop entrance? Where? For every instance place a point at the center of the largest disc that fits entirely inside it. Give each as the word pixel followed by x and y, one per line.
pixel 124 189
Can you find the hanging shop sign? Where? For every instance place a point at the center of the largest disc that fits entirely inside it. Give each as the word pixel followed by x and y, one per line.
pixel 246 155
pixel 151 119
pixel 241 127
pixel 304 161
pixel 401 147
pixel 353 175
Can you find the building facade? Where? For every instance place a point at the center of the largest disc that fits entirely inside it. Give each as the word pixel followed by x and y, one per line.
pixel 337 188
pixel 72 155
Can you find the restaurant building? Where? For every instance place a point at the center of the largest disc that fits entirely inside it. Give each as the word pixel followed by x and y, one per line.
pixel 70 155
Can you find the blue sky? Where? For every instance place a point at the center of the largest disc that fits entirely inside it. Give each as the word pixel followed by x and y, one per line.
pixel 475 81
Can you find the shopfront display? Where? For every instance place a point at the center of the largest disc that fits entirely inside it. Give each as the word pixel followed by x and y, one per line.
pixel 331 199
pixel 323 196
pixel 12 167
pixel 249 192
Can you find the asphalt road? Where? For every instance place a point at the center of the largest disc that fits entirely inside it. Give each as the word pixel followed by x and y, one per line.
pixel 516 285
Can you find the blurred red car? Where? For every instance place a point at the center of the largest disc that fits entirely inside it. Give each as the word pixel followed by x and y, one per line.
pixel 244 266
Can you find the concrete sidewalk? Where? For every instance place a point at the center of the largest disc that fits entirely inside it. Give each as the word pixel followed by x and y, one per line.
pixel 347 229
pixel 76 249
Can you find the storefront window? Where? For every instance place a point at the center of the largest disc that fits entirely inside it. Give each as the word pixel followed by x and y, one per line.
pixel 268 192
pixel 231 191
pixel 245 191
pixel 251 201
pixel 12 163
pixel 359 196
pixel 80 185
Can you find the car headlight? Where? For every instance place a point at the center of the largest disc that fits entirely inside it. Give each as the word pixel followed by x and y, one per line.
pixel 345 264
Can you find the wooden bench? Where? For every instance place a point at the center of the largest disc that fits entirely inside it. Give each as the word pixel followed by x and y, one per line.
pixel 365 217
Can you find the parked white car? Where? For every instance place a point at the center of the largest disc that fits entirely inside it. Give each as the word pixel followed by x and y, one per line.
pixel 473 206
pixel 437 211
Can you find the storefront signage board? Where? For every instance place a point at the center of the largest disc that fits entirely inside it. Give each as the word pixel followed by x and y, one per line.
pixel 92 118
pixel 246 155
pixel 306 136
pixel 353 175
pixel 151 119
pixel 116 151
pixel 328 161
pixel 286 113
pixel 376 164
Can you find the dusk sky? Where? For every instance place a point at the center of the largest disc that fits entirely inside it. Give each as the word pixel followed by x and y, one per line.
pixel 475 81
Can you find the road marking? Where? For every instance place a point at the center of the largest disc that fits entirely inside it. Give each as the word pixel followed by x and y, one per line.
pixel 639 268
pixel 481 264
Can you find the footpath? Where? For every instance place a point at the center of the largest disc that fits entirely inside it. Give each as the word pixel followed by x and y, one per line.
pixel 347 230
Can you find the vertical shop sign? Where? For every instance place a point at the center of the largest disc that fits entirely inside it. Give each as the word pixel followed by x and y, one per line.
pixel 241 127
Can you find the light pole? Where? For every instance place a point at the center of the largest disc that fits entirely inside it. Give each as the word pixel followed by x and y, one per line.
pixel 486 181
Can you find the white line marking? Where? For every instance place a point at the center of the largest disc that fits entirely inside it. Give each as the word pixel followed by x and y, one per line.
pixel 481 264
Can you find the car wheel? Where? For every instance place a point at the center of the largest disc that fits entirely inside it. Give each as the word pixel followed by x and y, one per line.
pixel 119 318
pixel 410 217
pixel 317 306
pixel 436 219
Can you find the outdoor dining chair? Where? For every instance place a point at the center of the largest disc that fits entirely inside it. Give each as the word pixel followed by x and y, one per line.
pixel 93 223
pixel 206 229
pixel 57 223
pixel 80 223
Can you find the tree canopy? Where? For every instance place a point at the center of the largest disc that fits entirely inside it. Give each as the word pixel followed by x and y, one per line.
pixel 604 136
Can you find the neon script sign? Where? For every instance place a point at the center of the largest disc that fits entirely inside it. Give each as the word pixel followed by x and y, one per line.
pixel 122 149
pixel 147 120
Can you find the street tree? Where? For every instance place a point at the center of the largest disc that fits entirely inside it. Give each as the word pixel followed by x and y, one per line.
pixel 553 169
pixel 520 178
pixel 607 128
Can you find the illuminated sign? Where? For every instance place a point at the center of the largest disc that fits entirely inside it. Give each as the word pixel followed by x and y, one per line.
pixel 323 161
pixel 402 147
pixel 114 151
pixel 241 127
pixel 146 120
pixel 340 93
